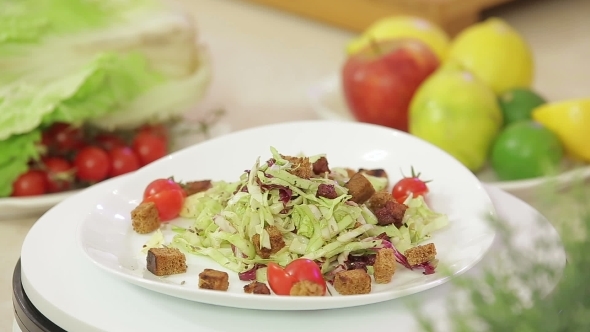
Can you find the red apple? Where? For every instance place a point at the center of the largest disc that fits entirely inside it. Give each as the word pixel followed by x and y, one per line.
pixel 380 80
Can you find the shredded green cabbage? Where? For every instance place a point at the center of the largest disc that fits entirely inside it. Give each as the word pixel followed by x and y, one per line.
pixel 228 216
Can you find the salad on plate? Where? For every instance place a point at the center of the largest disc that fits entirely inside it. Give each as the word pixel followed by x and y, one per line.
pixel 294 223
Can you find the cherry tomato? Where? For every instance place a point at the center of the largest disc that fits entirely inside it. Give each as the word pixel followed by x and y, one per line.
pixel 157 130
pixel 63 138
pixel 149 148
pixel 278 279
pixel 58 174
pixel 409 185
pixel 160 185
pixel 282 280
pixel 31 183
pixel 92 164
pixel 123 160
pixel 169 203
pixel 109 141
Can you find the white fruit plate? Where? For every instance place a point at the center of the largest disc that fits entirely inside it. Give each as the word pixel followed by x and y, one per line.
pixel 328 102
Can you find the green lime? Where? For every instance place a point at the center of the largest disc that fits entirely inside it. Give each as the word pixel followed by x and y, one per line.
pixel 525 150
pixel 518 104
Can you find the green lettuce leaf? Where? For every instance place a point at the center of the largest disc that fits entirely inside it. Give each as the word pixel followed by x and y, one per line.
pixel 134 61
pixel 16 153
pixel 102 86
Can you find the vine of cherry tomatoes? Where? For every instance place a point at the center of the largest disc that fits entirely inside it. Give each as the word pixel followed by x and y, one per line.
pixel 74 157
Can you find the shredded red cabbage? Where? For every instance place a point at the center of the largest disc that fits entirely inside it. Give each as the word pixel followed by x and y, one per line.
pixel 271 162
pixel 285 193
pixel 428 267
pixel 250 274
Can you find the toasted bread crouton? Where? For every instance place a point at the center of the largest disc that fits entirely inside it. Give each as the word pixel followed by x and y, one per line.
pixel 351 172
pixel 360 188
pixel 392 213
pixel 352 282
pixel 378 200
pixel 384 267
pixel 145 218
pixel 165 261
pixel 300 166
pixel 379 173
pixel 320 166
pixel 276 242
pixel 193 187
pixel 306 288
pixel 256 287
pixel 214 280
pixel 420 254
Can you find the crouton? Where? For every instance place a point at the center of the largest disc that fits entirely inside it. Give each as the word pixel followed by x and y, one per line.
pixel 392 213
pixel 145 218
pixel 378 200
pixel 276 242
pixel 193 187
pixel 384 267
pixel 300 166
pixel 352 282
pixel 256 287
pixel 214 280
pixel 420 254
pixel 350 172
pixel 379 173
pixel 320 166
pixel 165 261
pixel 327 191
pixel 359 188
pixel 306 288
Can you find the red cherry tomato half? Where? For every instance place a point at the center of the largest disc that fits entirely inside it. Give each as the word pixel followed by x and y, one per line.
pixel 92 164
pixel 282 280
pixel 279 280
pixel 123 160
pixel 160 185
pixel 149 148
pixel 169 203
pixel 409 185
pixel 31 183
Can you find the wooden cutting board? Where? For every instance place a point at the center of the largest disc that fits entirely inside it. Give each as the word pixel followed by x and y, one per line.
pixel 356 15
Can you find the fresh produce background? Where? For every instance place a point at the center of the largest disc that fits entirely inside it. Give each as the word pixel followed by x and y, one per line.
pixel 471 95
pixel 90 89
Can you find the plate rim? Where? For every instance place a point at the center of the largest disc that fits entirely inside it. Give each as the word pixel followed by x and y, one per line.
pixel 295 303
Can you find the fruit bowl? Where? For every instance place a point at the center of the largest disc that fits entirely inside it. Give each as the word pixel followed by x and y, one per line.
pixel 327 100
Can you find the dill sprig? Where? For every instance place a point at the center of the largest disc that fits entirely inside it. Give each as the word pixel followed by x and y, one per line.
pixel 515 294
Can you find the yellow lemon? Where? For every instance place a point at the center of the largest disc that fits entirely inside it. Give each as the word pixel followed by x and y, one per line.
pixel 495 53
pixel 570 121
pixel 404 27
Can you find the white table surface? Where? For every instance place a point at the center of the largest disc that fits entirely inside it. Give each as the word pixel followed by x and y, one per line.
pixel 265 60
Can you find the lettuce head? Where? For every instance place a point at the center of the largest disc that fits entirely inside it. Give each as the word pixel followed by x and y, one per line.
pixel 115 64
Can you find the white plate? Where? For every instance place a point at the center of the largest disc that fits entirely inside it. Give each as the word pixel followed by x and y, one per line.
pixel 25 207
pixel 80 298
pixel 328 102
pixel 107 239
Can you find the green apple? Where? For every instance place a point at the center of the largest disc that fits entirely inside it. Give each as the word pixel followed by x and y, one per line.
pixel 458 113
